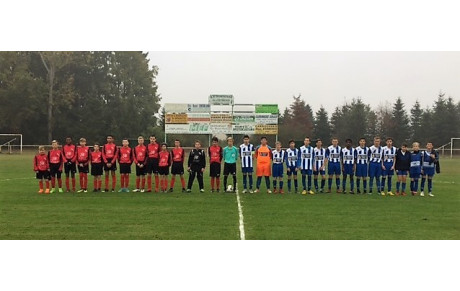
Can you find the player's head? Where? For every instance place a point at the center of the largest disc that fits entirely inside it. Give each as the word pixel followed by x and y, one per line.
pixel 140 140
pixel 415 146
pixel 68 140
pixel 230 141
pixel 54 144
pixel 125 142
pixel 177 143
pixel 306 141
pixel 215 141
pixel 278 145
pixel 83 141
pixel 164 146
pixel 41 150
pixel 389 142
pixel 377 141
pixel 348 142
pixel 197 144
pixel 292 144
pixel 319 142
pixel 153 139
pixel 110 138
pixel 263 140
pixel 404 147
pixel 246 139
pixel 335 141
pixel 429 145
pixel 96 146
pixel 362 142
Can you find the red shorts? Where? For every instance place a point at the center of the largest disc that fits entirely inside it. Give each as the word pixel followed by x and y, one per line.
pixel 263 170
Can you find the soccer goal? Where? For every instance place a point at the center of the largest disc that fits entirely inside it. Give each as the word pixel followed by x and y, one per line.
pixel 10 143
pixel 452 148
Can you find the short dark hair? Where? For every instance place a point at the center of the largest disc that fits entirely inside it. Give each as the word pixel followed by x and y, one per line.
pixel 362 138
pixel 334 138
pixel 307 137
pixel 164 144
pixel 152 135
pixel 109 135
pixel 96 144
pixel 246 136
pixel 177 140
pixel 317 140
pixel 291 141
pixel 197 141
pixel 125 138
pixel 348 140
pixel 404 145
pixel 389 138
pixel 263 137
pixel 215 138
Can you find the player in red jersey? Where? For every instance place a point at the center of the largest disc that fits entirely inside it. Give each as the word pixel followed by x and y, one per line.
pixel 215 159
pixel 56 159
pixel 177 168
pixel 96 167
pixel 140 159
pixel 42 168
pixel 163 166
pixel 109 156
pixel 83 164
pixel 152 163
pixel 70 157
pixel 125 158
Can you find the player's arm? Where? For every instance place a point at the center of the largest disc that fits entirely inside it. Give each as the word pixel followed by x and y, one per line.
pixel 35 164
pixel 117 150
pixel 135 157
pixel 75 154
pixel 203 161
pixel 104 158
pixel 190 158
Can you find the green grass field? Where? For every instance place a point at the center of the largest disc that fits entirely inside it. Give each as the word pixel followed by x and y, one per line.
pixel 26 215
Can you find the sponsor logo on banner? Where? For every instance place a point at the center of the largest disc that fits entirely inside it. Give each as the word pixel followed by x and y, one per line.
pixel 244 129
pixel 221 128
pixel 176 107
pixel 266 118
pixel 221 118
pixel 192 128
pixel 243 118
pixel 176 118
pixel 267 108
pixel 198 108
pixel 221 99
pixel 266 129
pixel 198 118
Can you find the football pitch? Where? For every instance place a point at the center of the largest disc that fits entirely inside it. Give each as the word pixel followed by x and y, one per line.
pixel 27 215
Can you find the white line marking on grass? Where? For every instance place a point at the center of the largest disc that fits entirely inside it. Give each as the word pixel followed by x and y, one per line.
pixel 240 211
pixel 11 179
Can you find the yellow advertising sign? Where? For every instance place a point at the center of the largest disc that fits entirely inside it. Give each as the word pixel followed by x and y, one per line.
pixel 176 118
pixel 266 129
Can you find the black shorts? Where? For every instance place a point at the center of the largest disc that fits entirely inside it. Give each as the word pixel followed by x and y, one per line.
pixel 163 170
pixel 70 168
pixel 152 166
pixel 112 168
pixel 43 175
pixel 140 171
pixel 54 170
pixel 214 170
pixel 96 169
pixel 229 169
pixel 84 169
pixel 177 168
pixel 125 168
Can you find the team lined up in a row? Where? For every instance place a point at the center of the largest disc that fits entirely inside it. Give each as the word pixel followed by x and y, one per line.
pixel 375 161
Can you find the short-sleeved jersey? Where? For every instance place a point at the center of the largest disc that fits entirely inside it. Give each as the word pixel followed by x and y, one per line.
pixel 230 154
pixel 416 159
pixel 41 163
pixel 246 152
pixel 293 157
pixel 165 159
pixel 389 154
pixel 362 155
pixel 428 161
pixel 55 156
pixel 109 152
pixel 263 154
pixel 307 156
pixel 375 154
pixel 83 154
pixel 215 154
pixel 140 154
pixel 125 155
pixel 319 157
pixel 348 156
pixel 152 149
pixel 96 157
pixel 333 154
pixel 278 156
pixel 178 155
pixel 70 152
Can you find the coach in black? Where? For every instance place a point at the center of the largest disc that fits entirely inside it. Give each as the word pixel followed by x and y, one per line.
pixel 196 166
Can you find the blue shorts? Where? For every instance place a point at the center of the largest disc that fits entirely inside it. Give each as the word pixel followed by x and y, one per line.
pixel 401 173
pixel 388 171
pixel 375 170
pixel 348 169
pixel 429 171
pixel 333 168
pixel 247 170
pixel 291 171
pixel 307 172
pixel 320 172
pixel 277 170
pixel 361 170
pixel 415 172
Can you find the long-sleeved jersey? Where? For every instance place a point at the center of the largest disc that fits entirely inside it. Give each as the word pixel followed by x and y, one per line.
pixel 56 157
pixel 165 159
pixel 197 159
pixel 83 155
pixel 215 154
pixel 96 157
pixel 41 163
pixel 293 157
pixel 140 154
pixel 109 153
pixel 125 155
pixel 70 153
pixel 178 155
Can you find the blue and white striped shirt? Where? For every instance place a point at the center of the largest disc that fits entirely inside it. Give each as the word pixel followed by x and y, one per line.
pixel 278 156
pixel 319 157
pixel 375 154
pixel 362 155
pixel 293 159
pixel 306 157
pixel 389 154
pixel 348 156
pixel 333 154
pixel 246 152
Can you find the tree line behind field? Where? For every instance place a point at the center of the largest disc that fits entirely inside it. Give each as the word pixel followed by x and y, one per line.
pixel 51 95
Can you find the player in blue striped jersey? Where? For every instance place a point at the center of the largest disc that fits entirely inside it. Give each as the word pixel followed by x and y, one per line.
pixel 306 164
pixel 416 160
pixel 279 156
pixel 375 164
pixel 333 164
pixel 348 155
pixel 319 157
pixel 292 164
pixel 430 158
pixel 388 165
pixel 247 167
pixel 362 161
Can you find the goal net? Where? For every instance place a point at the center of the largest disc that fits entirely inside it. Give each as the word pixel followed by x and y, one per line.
pixel 450 149
pixel 10 143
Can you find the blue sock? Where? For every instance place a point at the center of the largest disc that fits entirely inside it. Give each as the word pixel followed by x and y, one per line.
pixel 352 183
pixel 403 187
pixel 377 181
pixel 267 182
pixel 245 182
pixel 329 183
pixel 344 182
pixel 358 182
pixel 389 183
pixel 304 184
pixel 259 180
pixel 323 182
pixel 281 185
pixel 289 185
pixel 364 184
pixel 415 184
pixel 315 182
pixel 422 185
pixel 397 186
pixel 337 182
pixel 309 182
pixel 250 181
pixel 430 185
pixel 371 183
pixel 411 185
pixel 382 187
pixel 274 183
pixel 296 185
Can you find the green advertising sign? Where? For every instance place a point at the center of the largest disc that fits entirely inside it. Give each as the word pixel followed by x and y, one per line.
pixel 267 108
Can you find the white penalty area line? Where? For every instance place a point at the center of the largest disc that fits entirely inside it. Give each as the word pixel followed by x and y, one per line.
pixel 240 212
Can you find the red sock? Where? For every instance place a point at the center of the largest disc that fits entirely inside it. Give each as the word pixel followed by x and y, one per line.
pixel 157 182
pixel 99 184
pixel 212 182
pixel 114 181
pixel 122 181
pixel 67 183
pixel 47 184
pixel 60 182
pixel 95 184
pixel 149 182
pixel 182 180
pixel 106 181
pixel 53 182
pixel 40 184
pixel 173 180
pixel 82 181
pixel 218 183
pixel 126 180
pixel 86 180
pixel 138 180
pixel 73 183
pixel 143 182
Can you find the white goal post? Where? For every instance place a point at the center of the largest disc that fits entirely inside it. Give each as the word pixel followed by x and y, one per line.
pixel 10 141
pixel 448 145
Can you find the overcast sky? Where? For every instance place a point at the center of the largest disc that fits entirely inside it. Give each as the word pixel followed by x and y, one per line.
pixel 322 78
